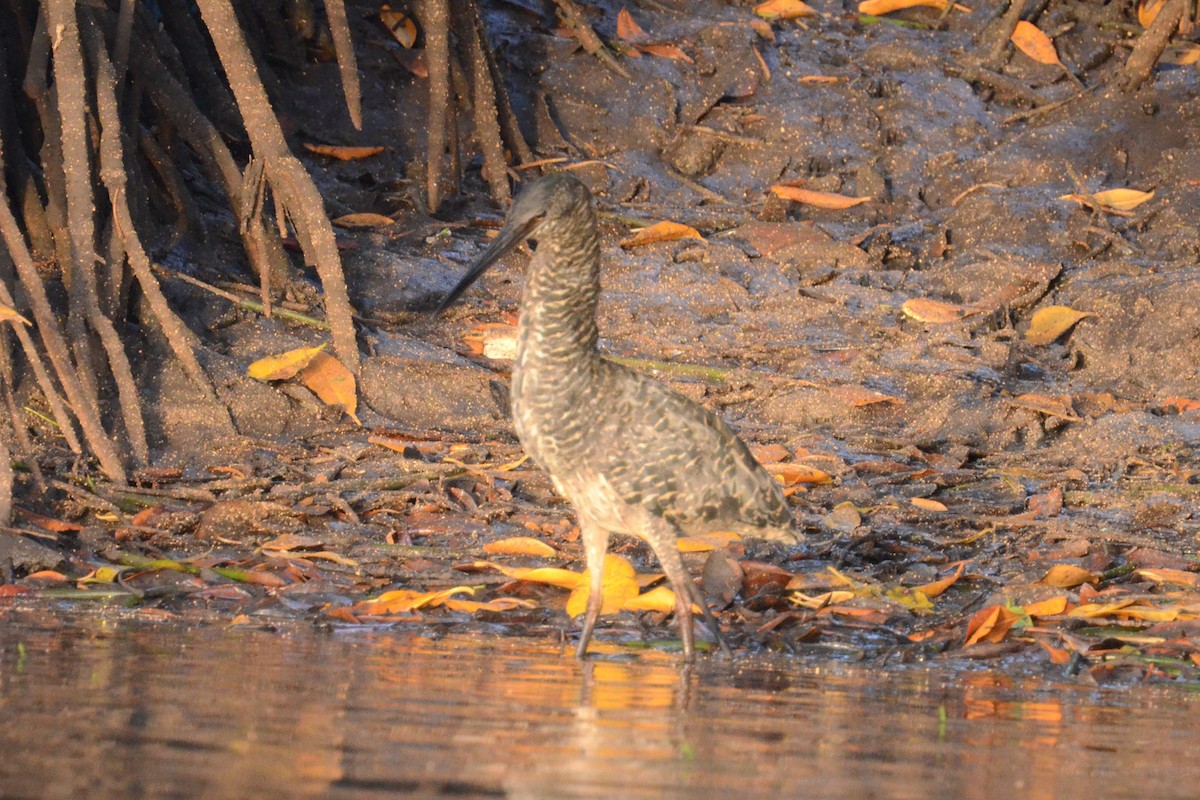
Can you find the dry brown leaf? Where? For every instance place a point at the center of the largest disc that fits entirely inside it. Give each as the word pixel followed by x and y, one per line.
pixel 1067 576
pixel 519 546
pixel 400 25
pixel 844 517
pixel 343 153
pixel 859 396
pixel 1165 575
pixel 662 232
pixel 362 219
pixel 9 314
pixel 284 365
pixel 329 380
pixel 1112 199
pixel 1047 504
pixel 1053 406
pixel 627 28
pixel 1057 655
pixel 784 9
pixel 1052 322
pixel 937 587
pixel 990 624
pixel 923 309
pixel 878 8
pixel 665 51
pixel 826 200
pixel 1031 41
pixel 925 504
pixel 1051 607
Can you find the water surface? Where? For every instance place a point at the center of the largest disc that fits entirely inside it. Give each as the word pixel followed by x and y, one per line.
pixel 143 706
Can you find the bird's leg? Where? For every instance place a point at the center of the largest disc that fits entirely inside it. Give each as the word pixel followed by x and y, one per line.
pixel 595 547
pixel 698 598
pixel 662 536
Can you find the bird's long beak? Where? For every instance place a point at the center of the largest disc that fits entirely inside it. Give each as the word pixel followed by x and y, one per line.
pixel 509 237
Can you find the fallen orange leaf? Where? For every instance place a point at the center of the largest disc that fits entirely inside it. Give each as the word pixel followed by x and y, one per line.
pixel 1031 41
pixel 1057 654
pixel 1051 607
pixel 1067 576
pixel 627 28
pixel 620 586
pixel 792 474
pixel 925 504
pixel 1147 11
pixel 343 152
pixel 400 24
pixel 784 9
pixel 937 587
pixel 826 200
pixel 1164 575
pixel 362 219
pixel 990 624
pixel 284 365
pixel 706 543
pixel 923 309
pixel 519 546
pixel 329 380
pixel 665 231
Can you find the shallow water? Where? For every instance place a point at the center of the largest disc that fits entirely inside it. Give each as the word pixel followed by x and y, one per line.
pixel 150 708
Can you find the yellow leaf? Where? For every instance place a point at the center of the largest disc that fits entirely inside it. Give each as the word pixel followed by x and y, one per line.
pixel 283 366
pixel 1112 199
pixel 343 152
pixel 519 546
pixel 1046 608
pixel 784 9
pixel 620 586
pixel 877 8
pixel 399 24
pixel 8 314
pixel 627 28
pixel 922 309
pixel 1052 322
pixel 551 576
pixel 926 504
pixel 1031 41
pixel 329 380
pixel 827 200
pixel 662 232
pixel 1067 576
pixel 707 542
pixel 660 598
pixel 363 219
pixel 1164 575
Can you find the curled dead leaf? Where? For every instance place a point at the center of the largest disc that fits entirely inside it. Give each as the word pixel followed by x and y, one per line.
pixel 1052 322
pixel 923 309
pixel 990 624
pixel 343 153
pixel 665 231
pixel 784 9
pixel 939 586
pixel 362 219
pixel 826 200
pixel 329 380
pixel 1112 199
pixel 1067 576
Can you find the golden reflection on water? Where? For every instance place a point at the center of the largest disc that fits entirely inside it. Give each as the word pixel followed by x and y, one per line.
pixel 135 709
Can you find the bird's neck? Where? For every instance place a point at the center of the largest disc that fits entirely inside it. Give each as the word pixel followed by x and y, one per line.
pixel 558 308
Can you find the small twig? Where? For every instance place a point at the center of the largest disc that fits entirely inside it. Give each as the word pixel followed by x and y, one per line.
pixel 249 305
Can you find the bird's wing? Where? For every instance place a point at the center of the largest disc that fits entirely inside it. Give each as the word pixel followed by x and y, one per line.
pixel 680 461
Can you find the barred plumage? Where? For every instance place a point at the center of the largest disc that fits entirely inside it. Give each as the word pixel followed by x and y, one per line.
pixel 631 455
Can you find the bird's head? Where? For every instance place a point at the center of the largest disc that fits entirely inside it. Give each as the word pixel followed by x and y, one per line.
pixel 541 206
